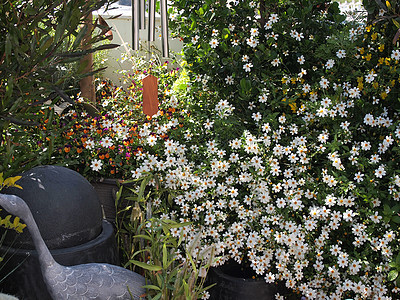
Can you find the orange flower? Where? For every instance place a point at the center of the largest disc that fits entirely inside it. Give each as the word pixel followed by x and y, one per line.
pixel 67 149
pixel 101 156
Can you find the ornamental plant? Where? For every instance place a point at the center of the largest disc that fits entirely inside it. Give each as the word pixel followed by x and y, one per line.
pixel 287 158
pixel 101 140
pixel 41 41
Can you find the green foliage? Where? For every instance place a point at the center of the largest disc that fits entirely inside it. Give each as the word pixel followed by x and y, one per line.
pixel 154 247
pixel 41 38
pixel 171 275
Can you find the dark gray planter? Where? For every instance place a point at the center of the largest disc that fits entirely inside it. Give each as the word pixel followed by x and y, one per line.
pixel 67 211
pixel 233 282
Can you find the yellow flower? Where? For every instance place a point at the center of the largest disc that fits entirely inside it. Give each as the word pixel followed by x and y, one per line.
pixel 374 36
pixel 362 50
pixel 293 107
pixel 381 47
pixel 375 85
pixel 368 57
pixel 383 95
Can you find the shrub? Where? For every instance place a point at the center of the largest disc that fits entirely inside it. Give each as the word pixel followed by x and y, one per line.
pixel 41 39
pixel 287 159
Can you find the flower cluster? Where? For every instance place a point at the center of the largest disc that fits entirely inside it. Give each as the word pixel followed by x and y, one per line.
pixel 102 139
pixel 288 159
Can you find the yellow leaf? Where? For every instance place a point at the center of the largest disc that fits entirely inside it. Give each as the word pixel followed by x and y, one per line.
pixel 11 180
pixel 1 178
pixel 18 186
pixel 16 221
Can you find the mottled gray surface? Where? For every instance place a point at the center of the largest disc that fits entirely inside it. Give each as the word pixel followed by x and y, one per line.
pixel 86 281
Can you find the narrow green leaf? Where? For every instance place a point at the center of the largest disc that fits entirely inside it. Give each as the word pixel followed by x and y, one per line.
pixel 152 287
pixel 165 256
pixel 8 46
pixel 158 296
pixel 146 266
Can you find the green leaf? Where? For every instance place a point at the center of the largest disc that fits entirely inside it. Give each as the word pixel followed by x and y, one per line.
pixel 152 287
pixel 393 275
pixel 396 219
pixel 165 256
pixel 8 46
pixel 146 266
pixel 158 296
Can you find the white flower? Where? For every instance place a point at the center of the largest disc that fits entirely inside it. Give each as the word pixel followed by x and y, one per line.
pixel 96 164
pixel 89 144
pixel 229 80
pixel 252 42
pixel 273 18
pixel 369 119
pixel 324 83
pixel 341 53
pixel 214 43
pixel 301 59
pixel 306 88
pixel 329 64
pixel 254 31
pixel 380 172
pixel 263 98
pixel 370 76
pixel 395 54
pixel 275 62
pixel 354 93
pixel 256 116
pixel 358 177
pixel 247 67
pixel 366 145
pixel 106 142
pixel 195 39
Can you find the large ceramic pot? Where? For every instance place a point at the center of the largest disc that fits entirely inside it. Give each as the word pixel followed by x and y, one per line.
pixel 68 213
pixel 237 282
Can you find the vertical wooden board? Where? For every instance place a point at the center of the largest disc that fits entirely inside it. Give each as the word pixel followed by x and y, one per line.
pixel 150 95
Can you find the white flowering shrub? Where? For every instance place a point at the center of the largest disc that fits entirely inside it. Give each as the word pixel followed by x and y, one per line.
pixel 288 158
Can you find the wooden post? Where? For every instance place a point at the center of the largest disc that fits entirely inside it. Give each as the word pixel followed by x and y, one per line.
pixel 87 83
